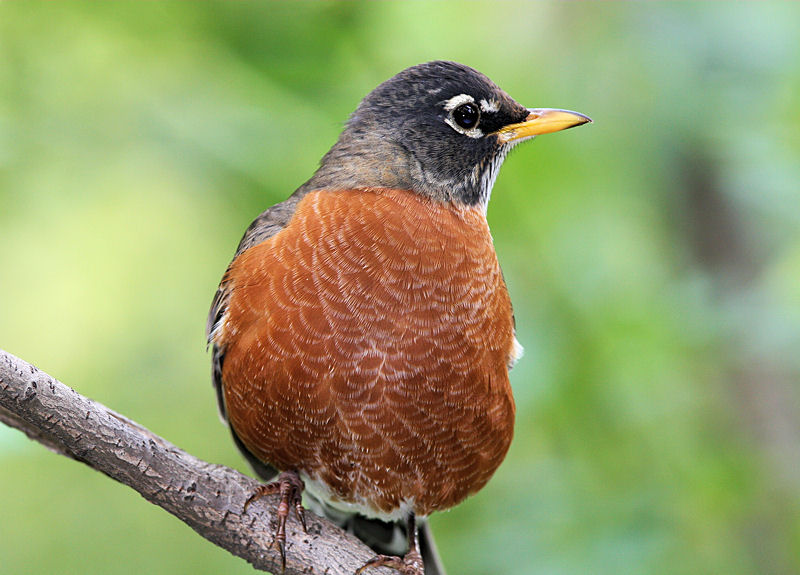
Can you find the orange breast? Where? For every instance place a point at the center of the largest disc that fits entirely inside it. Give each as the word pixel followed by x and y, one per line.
pixel 366 346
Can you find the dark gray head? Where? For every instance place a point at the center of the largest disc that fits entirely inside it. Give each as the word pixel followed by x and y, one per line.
pixel 440 129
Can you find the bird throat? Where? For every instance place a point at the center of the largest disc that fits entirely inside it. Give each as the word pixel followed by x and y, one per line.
pixel 488 174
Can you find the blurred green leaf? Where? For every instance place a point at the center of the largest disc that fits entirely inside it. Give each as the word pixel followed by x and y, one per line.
pixel 658 408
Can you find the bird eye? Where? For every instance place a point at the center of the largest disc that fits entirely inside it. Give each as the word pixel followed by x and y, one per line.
pixel 467 115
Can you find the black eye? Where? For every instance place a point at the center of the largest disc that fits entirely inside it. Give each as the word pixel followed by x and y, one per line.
pixel 467 115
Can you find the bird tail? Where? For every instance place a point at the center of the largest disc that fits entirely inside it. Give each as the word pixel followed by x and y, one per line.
pixel 388 537
pixel 430 554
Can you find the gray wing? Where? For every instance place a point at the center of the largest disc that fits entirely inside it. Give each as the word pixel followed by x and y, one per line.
pixel 263 227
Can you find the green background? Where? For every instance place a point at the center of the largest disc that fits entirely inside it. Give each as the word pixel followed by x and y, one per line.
pixel 653 259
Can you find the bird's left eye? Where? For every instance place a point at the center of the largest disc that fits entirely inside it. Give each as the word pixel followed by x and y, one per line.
pixel 467 115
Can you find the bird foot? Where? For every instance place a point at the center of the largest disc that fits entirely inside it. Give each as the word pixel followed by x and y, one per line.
pixel 290 488
pixel 410 564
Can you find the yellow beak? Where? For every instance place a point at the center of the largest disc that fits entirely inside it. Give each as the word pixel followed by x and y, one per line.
pixel 541 121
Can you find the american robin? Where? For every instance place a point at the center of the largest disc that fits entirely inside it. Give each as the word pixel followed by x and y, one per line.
pixel 363 333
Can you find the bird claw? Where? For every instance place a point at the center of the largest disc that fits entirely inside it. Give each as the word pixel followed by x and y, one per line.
pixel 290 488
pixel 300 511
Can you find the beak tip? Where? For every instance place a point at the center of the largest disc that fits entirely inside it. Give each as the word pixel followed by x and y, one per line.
pixel 584 120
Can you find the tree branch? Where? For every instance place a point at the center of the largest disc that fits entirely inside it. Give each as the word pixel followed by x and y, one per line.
pixel 207 497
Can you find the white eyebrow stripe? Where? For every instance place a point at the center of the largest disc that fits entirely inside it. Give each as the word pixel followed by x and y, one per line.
pixel 490 106
pixel 456 101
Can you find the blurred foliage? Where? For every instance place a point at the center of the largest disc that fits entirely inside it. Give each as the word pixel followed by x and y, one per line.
pixel 653 258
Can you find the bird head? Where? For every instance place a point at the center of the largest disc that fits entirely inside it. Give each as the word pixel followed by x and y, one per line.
pixel 440 129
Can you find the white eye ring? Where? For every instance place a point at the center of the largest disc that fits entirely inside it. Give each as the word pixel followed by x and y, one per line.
pixel 453 103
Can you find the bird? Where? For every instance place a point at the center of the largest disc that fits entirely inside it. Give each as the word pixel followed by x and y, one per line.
pixel 362 335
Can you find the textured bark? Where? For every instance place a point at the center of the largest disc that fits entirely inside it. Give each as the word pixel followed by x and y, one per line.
pixel 207 497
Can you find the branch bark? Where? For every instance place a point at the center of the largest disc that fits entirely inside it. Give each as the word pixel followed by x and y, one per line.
pixel 207 497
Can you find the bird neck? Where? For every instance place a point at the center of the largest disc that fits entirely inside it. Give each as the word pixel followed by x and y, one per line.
pixel 361 159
